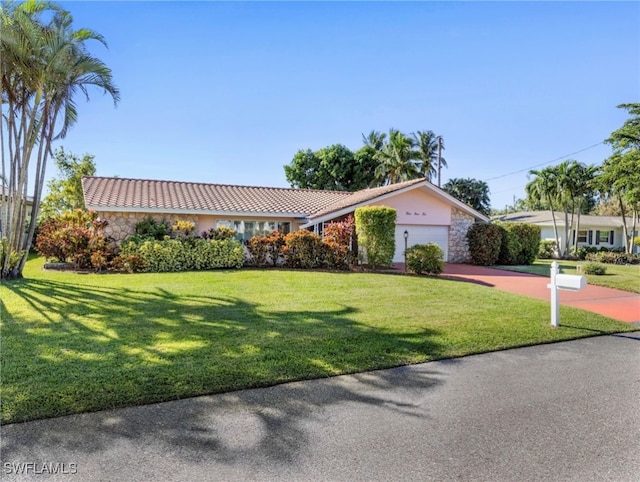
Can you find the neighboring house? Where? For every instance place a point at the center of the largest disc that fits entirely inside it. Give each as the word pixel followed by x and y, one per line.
pixel 426 212
pixel 3 197
pixel 596 231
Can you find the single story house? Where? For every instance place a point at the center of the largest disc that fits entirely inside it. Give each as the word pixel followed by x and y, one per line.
pixel 595 231
pixel 424 211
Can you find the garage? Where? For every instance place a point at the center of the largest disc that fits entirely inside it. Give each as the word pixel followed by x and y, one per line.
pixel 419 234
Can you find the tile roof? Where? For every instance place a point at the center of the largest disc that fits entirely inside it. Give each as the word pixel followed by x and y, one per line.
pixel 544 218
pixel 104 193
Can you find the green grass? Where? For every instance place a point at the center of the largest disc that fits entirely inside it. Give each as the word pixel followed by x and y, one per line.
pixel 84 342
pixel 626 278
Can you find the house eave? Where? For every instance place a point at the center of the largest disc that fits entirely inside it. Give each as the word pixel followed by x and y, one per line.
pixel 198 212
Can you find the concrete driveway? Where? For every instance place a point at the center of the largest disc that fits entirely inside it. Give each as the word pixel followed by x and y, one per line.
pixel 568 411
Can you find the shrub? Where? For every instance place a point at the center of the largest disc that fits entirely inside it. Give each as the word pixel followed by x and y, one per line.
pixel 547 249
pixel 6 251
pixel 485 241
pixel 610 257
pixel 583 251
pixel 150 228
pixel 219 234
pixel 337 237
pixel 425 259
pixel 266 249
pixel 304 249
pixel 180 255
pixel 127 263
pixel 76 237
pixel 375 226
pixel 594 268
pixel 520 243
pixel 183 229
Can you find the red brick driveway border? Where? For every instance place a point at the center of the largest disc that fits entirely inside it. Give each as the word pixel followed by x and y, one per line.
pixel 616 304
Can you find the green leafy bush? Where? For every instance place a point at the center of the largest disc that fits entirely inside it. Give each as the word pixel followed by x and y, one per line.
pixel 304 249
pixel 520 243
pixel 76 237
pixel 6 251
pixel 180 254
pixel 594 268
pixel 583 251
pixel 485 241
pixel 425 259
pixel 150 228
pixel 610 257
pixel 375 226
pixel 547 249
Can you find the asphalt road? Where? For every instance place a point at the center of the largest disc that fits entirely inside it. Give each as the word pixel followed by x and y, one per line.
pixel 567 411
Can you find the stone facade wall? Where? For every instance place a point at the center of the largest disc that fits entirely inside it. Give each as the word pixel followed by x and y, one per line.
pixel 122 224
pixel 458 246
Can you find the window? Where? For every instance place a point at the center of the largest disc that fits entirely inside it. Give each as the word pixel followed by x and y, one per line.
pixel 582 236
pixel 604 237
pixel 248 229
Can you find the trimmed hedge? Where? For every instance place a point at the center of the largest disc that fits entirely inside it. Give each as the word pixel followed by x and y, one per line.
pixel 180 254
pixel 485 242
pixel 375 227
pixel 547 249
pixel 425 259
pixel 520 243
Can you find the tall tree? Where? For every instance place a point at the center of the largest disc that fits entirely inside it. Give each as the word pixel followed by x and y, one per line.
pixel 397 159
pixel 44 64
pixel 65 193
pixel 544 187
pixel 426 143
pixel 473 192
pixel 333 168
pixel 620 173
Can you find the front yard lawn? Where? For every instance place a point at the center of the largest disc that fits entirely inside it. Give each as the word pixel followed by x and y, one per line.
pixel 626 278
pixel 83 342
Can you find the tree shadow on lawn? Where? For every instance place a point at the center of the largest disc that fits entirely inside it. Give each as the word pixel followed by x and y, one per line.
pixel 98 347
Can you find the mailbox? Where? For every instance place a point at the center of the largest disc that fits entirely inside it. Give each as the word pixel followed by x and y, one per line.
pixel 570 282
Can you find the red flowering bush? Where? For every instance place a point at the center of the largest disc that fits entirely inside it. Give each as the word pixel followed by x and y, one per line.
pixel 76 237
pixel 337 236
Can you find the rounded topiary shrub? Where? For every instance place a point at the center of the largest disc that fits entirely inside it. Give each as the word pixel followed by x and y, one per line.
pixel 484 241
pixel 594 268
pixel 425 259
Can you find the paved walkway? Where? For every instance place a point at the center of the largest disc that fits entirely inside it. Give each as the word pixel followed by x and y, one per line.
pixel 616 304
pixel 565 411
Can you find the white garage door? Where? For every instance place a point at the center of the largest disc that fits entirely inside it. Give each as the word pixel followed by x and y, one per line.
pixel 420 235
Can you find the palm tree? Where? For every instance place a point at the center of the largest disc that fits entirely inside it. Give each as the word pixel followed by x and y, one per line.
pixel 427 148
pixel 375 140
pixel 43 68
pixel 397 159
pixel 582 179
pixel 545 188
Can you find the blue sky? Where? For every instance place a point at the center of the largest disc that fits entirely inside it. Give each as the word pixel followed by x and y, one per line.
pixel 228 92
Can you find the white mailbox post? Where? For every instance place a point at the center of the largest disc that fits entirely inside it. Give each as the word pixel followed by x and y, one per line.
pixel 569 282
